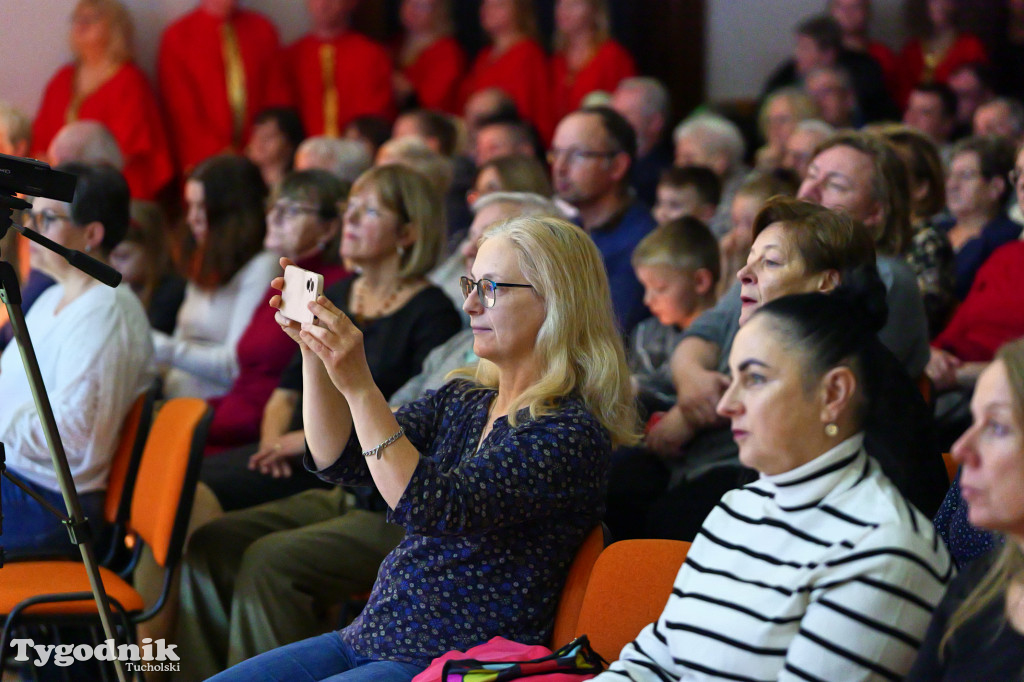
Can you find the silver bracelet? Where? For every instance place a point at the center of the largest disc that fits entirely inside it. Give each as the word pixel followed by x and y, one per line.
pixel 379 450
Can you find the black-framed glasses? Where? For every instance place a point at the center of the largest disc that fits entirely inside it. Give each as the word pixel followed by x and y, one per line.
pixel 486 289
pixel 290 210
pixel 574 155
pixel 41 221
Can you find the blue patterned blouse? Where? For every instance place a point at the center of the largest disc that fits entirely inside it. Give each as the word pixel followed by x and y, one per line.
pixel 490 533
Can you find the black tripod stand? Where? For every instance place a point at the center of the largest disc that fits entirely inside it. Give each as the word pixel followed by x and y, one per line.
pixel 76 524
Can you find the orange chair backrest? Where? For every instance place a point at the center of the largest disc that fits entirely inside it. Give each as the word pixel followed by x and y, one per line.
pixel 165 485
pixel 951 465
pixel 568 612
pixel 628 589
pixel 129 447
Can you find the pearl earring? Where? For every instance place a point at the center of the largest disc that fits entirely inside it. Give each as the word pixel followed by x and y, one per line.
pixel 831 430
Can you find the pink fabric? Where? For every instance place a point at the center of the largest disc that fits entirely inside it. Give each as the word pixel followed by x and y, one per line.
pixel 498 649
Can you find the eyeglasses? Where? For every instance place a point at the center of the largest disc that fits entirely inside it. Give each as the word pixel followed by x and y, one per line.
pixel 41 221
pixel 964 176
pixel 486 289
pixel 290 210
pixel 574 155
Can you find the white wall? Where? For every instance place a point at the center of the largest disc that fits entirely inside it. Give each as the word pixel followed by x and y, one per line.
pixel 745 38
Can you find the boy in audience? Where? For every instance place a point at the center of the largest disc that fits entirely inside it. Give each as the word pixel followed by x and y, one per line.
pixel 687 191
pixel 678 265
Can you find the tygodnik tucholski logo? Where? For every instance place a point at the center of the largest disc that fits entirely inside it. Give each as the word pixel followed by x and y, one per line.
pixel 135 658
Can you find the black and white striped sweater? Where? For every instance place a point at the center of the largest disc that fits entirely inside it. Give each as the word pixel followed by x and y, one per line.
pixel 824 572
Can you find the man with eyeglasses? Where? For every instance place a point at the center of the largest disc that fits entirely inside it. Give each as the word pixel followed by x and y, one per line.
pixel 590 156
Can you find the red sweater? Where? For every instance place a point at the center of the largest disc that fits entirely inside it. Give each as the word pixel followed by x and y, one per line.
pixel 993 312
pixel 263 353
pixel 967 48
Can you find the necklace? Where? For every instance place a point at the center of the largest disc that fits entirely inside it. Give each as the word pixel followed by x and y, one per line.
pixel 362 312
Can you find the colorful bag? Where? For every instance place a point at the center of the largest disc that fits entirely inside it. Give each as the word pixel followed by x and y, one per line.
pixel 501 659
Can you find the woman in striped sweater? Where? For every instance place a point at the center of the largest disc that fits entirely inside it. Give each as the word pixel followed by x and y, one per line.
pixel 820 570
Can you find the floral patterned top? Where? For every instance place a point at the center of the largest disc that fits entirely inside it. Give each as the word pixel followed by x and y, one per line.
pixel 490 532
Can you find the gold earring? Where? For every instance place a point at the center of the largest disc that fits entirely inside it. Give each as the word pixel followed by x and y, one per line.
pixel 831 429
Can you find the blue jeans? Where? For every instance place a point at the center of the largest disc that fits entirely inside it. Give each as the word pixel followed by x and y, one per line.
pixel 29 528
pixel 325 658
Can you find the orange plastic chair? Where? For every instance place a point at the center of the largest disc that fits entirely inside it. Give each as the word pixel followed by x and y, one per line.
pixel 58 590
pixel 951 466
pixel 628 588
pixel 569 604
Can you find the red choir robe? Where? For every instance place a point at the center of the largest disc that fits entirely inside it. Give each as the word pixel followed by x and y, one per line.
pixel 193 81
pixel 362 79
pixel 522 72
pixel 125 104
pixel 609 65
pixel 436 75
pixel 966 49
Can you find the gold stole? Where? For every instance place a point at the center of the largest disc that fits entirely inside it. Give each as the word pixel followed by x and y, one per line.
pixel 330 89
pixel 234 77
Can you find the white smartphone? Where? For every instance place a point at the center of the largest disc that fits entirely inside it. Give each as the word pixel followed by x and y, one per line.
pixel 300 287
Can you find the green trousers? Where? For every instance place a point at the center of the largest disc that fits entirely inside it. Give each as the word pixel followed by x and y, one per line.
pixel 259 578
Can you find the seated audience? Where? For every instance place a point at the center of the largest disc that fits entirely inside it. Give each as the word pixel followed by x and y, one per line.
pixel 976 192
pixel 226 269
pixel 940 48
pixel 734 246
pixel 586 58
pixel 818 44
pixel 862 175
pixel 834 96
pixel 820 569
pixel 217 67
pixel 338 74
pixel 687 191
pixel 716 142
pixel 436 129
pixel 93 349
pixel 370 131
pixel 931 109
pixel 514 62
pixel 104 84
pixel 590 158
pixel 490 209
pixel 15 131
pixel 144 260
pixel 85 142
pixel 275 137
pixel 977 631
pixel 482 105
pixel 974 85
pixel 532 425
pixel 853 17
pixel 644 102
pixel 797 247
pixel 402 318
pixel 800 146
pixel 430 62
pixel 678 264
pixel 515 173
pixel 304 226
pixel 503 135
pixel 1002 117
pixel 346 159
pixel 930 255
pixel 263 577
pixel 780 113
